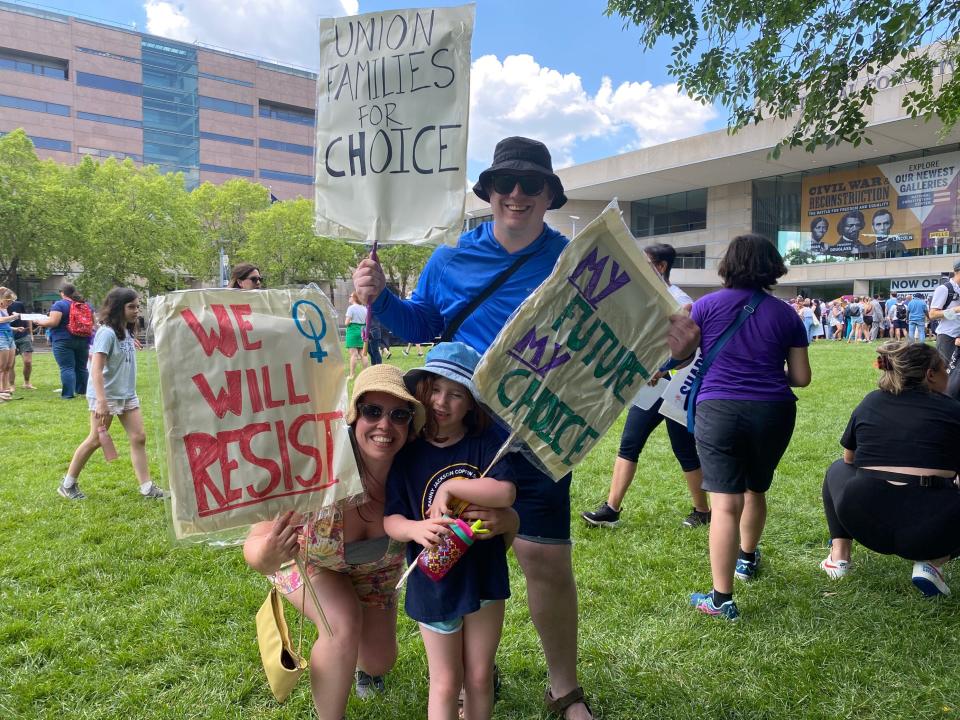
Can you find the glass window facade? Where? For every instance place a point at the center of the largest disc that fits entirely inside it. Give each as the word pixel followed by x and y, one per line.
pixel 226 138
pixel 226 170
pixel 109 119
pixel 286 147
pixel 286 177
pixel 99 153
pixel 674 213
pixel 34 64
pixel 225 106
pixel 11 101
pixel 102 82
pixel 287 113
pixel 171 121
pixel 47 143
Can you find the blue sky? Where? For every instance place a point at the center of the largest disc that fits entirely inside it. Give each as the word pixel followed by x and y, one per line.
pixel 597 93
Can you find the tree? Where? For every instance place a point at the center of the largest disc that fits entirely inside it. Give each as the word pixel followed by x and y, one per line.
pixel 139 227
pixel 37 226
pixel 223 211
pixel 820 59
pixel 281 242
pixel 403 263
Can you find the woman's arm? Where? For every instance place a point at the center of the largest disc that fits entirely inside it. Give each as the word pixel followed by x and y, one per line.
pixel 798 367
pixel 52 320
pixel 486 491
pixel 848 456
pixel 270 544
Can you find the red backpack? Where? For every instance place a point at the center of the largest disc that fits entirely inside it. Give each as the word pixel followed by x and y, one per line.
pixel 80 322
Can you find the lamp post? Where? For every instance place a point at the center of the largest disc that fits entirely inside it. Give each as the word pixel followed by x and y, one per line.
pixel 574 218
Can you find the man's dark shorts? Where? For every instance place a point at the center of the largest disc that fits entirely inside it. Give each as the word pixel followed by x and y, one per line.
pixel 24 343
pixel 542 504
pixel 740 442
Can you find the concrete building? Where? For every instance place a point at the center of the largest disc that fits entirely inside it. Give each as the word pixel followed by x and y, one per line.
pixel 700 192
pixel 81 87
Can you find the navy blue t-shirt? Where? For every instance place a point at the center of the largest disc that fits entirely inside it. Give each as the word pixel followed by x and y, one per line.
pixel 481 574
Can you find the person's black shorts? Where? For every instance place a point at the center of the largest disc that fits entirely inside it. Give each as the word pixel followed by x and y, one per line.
pixel 639 425
pixel 900 324
pixel 868 320
pixel 24 343
pixel 542 504
pixel 740 442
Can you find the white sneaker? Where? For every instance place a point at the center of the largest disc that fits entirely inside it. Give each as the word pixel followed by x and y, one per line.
pixel 929 579
pixel 836 569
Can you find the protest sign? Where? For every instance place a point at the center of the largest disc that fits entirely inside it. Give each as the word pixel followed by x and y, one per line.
pixel 674 405
pixel 578 349
pixel 253 394
pixel 393 95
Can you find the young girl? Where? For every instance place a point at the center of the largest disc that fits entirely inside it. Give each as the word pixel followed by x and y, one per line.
pixel 461 616
pixel 7 346
pixel 112 390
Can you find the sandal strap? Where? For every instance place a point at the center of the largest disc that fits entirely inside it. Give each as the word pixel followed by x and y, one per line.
pixel 560 704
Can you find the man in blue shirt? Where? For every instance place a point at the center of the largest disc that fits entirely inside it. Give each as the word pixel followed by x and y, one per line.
pixel 917 314
pixel 520 187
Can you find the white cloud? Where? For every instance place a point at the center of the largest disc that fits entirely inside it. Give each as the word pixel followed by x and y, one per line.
pixel 281 30
pixel 520 97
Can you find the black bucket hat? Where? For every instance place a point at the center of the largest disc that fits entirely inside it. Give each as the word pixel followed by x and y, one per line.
pixel 522 156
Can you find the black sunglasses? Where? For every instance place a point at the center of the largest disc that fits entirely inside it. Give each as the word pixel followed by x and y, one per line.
pixel 259 280
pixel 531 185
pixel 398 416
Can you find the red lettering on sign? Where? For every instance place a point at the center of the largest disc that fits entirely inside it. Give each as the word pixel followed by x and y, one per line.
pixel 228 399
pixel 226 341
pixel 243 325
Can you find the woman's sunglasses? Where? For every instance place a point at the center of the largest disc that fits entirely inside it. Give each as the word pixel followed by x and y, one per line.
pixel 257 279
pixel 398 416
pixel 531 185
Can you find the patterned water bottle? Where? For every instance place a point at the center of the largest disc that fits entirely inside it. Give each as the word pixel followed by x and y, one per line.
pixel 436 562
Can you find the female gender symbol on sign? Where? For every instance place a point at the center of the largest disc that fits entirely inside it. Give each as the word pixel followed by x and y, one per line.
pixel 319 354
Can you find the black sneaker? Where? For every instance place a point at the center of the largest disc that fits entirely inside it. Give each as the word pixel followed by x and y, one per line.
pixel 696 518
pixel 369 686
pixel 603 516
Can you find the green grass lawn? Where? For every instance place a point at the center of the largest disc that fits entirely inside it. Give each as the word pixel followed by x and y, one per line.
pixel 102 617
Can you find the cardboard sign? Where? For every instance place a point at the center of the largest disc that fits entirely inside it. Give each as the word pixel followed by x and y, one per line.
pixel 674 405
pixel 393 96
pixel 578 349
pixel 253 394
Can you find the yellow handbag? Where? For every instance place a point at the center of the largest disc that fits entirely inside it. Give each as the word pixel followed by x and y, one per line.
pixel 281 663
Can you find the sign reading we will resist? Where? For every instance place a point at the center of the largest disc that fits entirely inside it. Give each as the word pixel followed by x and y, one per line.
pixel 253 395
pixel 579 348
pixel 393 96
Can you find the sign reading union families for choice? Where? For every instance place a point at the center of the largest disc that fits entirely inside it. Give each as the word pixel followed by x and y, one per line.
pixel 578 349
pixel 393 98
pixel 253 395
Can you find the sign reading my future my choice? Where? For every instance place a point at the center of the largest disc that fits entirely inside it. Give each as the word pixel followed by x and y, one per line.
pixel 393 97
pixel 578 349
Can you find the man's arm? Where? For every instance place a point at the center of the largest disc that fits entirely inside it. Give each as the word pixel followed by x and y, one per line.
pixel 937 302
pixel 415 320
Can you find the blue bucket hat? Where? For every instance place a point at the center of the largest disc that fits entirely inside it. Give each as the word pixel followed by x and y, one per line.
pixel 451 360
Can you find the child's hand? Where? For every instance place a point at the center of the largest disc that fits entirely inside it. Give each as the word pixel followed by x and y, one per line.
pixel 499 521
pixel 441 503
pixel 430 532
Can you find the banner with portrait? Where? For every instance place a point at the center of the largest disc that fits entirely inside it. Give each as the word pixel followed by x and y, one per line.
pixel 879 210
pixel 580 347
pixel 253 393
pixel 393 101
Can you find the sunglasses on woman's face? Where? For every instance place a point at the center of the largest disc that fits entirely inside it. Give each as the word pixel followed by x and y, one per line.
pixel 531 185
pixel 256 279
pixel 398 416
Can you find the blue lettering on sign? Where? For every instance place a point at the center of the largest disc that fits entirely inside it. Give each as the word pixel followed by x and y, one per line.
pixel 318 354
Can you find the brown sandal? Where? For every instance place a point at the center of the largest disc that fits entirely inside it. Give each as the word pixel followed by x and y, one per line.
pixel 560 705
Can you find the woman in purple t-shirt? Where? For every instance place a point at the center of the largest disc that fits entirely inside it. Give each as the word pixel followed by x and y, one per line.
pixel 745 409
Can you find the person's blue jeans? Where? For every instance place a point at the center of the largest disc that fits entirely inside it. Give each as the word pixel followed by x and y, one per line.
pixel 917 330
pixel 71 357
pixel 808 324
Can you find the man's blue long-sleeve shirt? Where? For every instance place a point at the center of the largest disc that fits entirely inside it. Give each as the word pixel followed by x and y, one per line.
pixel 454 276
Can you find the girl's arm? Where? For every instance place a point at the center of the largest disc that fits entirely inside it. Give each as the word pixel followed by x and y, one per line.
pixel 427 532
pixel 486 491
pixel 9 318
pixel 798 367
pixel 270 544
pixel 96 377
